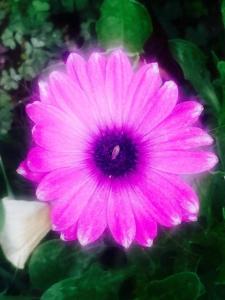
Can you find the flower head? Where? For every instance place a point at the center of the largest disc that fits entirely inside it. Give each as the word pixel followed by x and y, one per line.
pixel 111 145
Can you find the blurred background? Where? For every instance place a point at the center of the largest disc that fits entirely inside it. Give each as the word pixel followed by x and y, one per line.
pixel 187 38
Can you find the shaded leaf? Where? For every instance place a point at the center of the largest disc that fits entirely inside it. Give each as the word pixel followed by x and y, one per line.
pixel 205 192
pixel 15 298
pixel 40 5
pixel 5 113
pixel 180 286
pixel 221 274
pixel 60 260
pixel 81 4
pixel 218 292
pixel 68 5
pixel 221 69
pixel 223 11
pixel 193 64
pixel 93 284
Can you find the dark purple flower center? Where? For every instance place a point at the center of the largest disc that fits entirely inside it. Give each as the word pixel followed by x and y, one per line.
pixel 115 153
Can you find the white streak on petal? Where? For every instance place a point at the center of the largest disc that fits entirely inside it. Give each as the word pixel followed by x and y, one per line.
pixel 198 110
pixel 193 218
pixel 176 220
pixel 149 243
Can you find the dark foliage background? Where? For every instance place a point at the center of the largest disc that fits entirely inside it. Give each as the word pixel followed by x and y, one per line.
pixel 187 38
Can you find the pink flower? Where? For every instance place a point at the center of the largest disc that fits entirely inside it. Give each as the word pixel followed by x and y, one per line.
pixel 111 146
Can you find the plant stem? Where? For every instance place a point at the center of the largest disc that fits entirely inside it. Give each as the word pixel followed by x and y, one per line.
pixel 8 188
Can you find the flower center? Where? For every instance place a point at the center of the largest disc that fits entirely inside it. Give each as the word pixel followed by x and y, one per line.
pixel 115 153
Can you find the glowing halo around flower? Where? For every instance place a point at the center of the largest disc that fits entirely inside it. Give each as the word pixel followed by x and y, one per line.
pixel 111 145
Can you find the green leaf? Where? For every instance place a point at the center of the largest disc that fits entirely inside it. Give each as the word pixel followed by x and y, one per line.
pixel 8 39
pixel 218 292
pixel 94 284
pixel 71 5
pixel 68 5
pixel 205 192
pixel 220 136
pixel 223 11
pixel 61 260
pixel 193 64
pixel 210 267
pixel 212 194
pixel 221 273
pixel 180 286
pixel 221 69
pixel 123 23
pixel 9 79
pixel 40 6
pixel 81 4
pixel 5 113
pixel 54 260
pixel 15 298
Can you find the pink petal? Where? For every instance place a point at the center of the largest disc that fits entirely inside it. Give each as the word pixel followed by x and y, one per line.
pixel 118 76
pixel 187 138
pixel 58 183
pixel 45 93
pixel 69 234
pixel 71 98
pixel 58 138
pixel 27 173
pixel 183 162
pixel 183 115
pixel 41 160
pixel 91 77
pixel 163 104
pixel 184 195
pixel 49 115
pixel 143 86
pixel 92 221
pixel 67 210
pixel 120 217
pixel 77 69
pixel 158 198
pixel 146 227
pixel 96 73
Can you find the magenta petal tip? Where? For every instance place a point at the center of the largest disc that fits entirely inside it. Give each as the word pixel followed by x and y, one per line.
pixel 84 241
pixel 126 242
pixel 21 171
pixel 212 160
pixel 176 220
